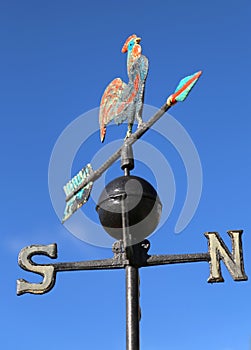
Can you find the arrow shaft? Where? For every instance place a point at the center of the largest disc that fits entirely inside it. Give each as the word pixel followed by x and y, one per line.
pixel 130 141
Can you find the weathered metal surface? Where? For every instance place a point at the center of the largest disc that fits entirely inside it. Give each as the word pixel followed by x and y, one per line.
pixel 177 259
pixel 127 159
pixel 137 256
pixel 143 208
pixel 218 251
pixel 132 308
pixel 46 271
pixel 81 197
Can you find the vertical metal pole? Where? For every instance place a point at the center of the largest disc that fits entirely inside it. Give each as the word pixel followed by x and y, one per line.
pixel 132 289
pixel 132 308
pixel 132 272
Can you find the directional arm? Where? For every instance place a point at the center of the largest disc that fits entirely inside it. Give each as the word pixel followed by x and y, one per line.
pixel 177 259
pixel 48 271
pixel 138 257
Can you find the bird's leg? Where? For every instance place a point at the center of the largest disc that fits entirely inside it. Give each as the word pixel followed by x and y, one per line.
pixel 139 120
pixel 129 130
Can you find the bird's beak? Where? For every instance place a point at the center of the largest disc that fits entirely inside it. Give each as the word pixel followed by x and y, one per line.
pixel 138 40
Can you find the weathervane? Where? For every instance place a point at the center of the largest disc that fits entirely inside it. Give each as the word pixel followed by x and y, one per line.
pixel 129 208
pixel 121 102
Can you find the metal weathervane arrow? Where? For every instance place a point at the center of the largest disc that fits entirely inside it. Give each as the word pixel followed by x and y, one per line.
pixel 121 102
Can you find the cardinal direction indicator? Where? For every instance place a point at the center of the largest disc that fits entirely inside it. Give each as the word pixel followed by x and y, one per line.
pixel 46 271
pixel 217 252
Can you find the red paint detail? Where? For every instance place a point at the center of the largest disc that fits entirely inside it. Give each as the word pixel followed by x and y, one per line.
pixel 131 97
pixel 173 101
pixel 106 113
pixel 136 83
pixel 136 88
pixel 136 51
pixel 102 133
pixel 121 107
pixel 185 86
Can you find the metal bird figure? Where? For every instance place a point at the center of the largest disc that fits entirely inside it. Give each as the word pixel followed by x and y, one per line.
pixel 122 101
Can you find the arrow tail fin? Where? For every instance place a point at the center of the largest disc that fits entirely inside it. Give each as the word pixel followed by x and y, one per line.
pixel 82 196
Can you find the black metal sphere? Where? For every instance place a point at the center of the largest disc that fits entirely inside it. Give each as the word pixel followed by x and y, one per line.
pixel 142 203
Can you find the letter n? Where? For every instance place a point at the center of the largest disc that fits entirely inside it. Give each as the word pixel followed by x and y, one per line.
pixel 219 251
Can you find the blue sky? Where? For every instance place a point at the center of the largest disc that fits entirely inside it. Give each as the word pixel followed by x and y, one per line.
pixel 56 60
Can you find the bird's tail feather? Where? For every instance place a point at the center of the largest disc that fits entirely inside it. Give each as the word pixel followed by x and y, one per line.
pixel 102 133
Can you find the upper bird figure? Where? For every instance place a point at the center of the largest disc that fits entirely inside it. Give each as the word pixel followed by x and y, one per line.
pixel 122 101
